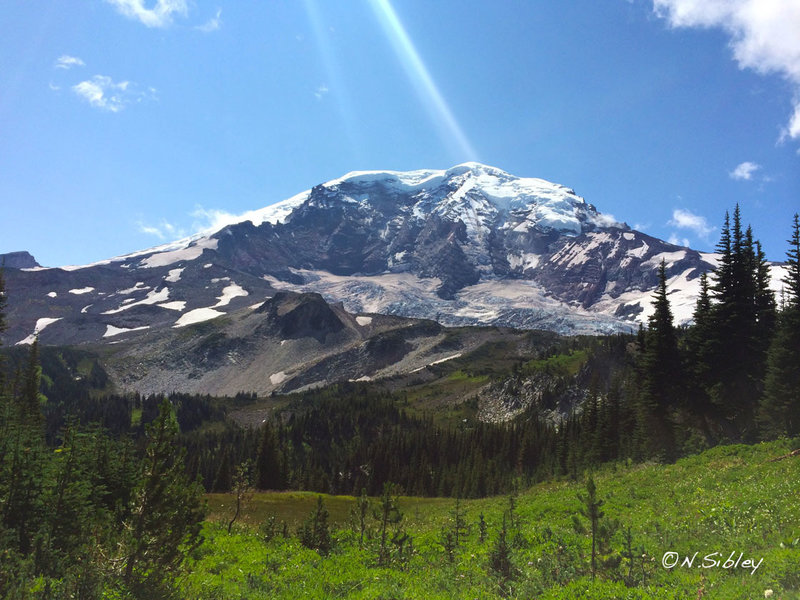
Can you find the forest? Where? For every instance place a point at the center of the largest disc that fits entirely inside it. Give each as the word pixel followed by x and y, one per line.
pixel 101 495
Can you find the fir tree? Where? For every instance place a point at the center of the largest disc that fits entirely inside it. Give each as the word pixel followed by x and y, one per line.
pixel 590 509
pixel 166 513
pixel 662 369
pixel 779 412
pixel 315 532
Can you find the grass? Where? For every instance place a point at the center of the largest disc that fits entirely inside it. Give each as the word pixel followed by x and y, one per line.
pixel 728 499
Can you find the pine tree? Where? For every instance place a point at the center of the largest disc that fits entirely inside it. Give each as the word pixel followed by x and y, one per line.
pixel 268 464
pixel 315 531
pixel 661 364
pixel 166 513
pixel 779 412
pixel 742 315
pixel 591 511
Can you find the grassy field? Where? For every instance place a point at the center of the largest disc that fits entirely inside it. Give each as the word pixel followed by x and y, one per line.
pixel 725 502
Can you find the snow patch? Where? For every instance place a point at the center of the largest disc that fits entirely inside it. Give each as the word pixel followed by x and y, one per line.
pixel 525 261
pixel 52 294
pixel 138 287
pixel 112 331
pixel 80 291
pixel 174 275
pixel 364 321
pixel 153 297
pixel 198 315
pixel 670 258
pixel 162 259
pixel 178 305
pixel 278 378
pixel 229 293
pixel 38 328
pixel 628 236
pixel 85 308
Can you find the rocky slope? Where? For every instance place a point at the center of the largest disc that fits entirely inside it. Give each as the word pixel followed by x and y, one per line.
pixel 469 245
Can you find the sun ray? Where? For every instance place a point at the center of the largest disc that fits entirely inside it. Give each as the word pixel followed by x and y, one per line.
pixel 449 129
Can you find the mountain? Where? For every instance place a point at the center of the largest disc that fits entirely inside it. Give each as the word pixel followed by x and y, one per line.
pixel 472 245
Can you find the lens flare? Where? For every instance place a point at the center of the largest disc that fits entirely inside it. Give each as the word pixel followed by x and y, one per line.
pixel 438 109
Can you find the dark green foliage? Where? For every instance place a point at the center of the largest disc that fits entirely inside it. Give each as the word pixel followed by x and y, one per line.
pixel 315 531
pixel 501 561
pixel 662 372
pixel 779 412
pixel 481 528
pixel 362 511
pixel 590 509
pixel 391 537
pixel 165 515
pixel 242 489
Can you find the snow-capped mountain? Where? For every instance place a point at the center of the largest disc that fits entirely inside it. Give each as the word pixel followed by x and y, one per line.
pixel 468 245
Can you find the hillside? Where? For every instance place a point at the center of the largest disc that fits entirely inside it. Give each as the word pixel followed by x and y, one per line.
pixel 731 499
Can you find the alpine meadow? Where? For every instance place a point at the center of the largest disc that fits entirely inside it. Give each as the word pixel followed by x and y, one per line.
pixel 305 343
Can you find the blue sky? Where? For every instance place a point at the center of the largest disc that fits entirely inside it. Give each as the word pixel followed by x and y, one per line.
pixel 128 123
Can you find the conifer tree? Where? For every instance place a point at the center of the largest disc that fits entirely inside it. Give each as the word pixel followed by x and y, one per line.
pixel 590 509
pixel 779 412
pixel 166 513
pixel 315 532
pixel 662 369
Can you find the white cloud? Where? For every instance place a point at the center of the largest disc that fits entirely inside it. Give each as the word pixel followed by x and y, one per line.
pixel 673 239
pixel 102 92
pixel 159 16
pixel 212 219
pixel 744 171
pixel 163 230
pixel 212 24
pixel 764 36
pixel 684 219
pixel 321 91
pixel 65 61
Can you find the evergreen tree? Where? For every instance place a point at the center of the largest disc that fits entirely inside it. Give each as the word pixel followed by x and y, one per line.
pixel 662 374
pixel 166 513
pixel 591 511
pixel 779 412
pixel 269 475
pixel 315 531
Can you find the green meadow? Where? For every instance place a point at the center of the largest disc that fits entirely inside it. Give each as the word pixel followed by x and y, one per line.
pixel 736 509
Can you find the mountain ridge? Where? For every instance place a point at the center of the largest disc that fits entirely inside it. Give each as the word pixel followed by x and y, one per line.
pixel 470 245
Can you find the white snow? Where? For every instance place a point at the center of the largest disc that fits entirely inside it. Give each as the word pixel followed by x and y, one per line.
pixel 628 236
pixel 670 258
pixel 52 294
pixel 441 360
pixel 153 297
pixel 207 266
pixel 162 259
pixel 229 293
pixel 364 321
pixel 178 305
pixel 256 305
pixel 112 331
pixel 80 291
pixel 638 252
pixel 85 308
pixel 526 260
pixel 38 328
pixel 138 287
pixel 198 315
pixel 277 378
pixel 174 275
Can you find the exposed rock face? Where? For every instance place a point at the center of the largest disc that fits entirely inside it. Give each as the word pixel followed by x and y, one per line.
pixel 18 260
pixel 470 245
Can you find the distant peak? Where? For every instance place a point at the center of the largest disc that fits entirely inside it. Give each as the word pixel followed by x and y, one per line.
pixel 21 259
